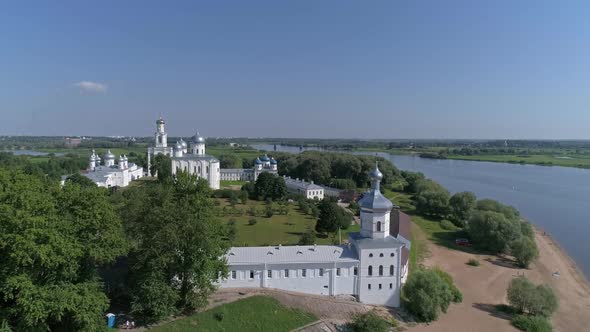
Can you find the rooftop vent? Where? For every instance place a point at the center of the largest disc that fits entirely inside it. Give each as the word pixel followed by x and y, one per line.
pixel 299 252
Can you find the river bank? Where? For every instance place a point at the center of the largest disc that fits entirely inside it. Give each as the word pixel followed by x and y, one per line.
pixel 485 286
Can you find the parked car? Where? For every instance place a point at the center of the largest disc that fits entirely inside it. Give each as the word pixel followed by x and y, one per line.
pixel 462 242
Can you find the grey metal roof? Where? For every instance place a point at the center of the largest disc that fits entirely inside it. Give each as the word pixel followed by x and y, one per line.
pixel 374 200
pixel 236 170
pixel 300 184
pixel 196 157
pixel 197 138
pixel 370 243
pixel 290 254
pixel 109 155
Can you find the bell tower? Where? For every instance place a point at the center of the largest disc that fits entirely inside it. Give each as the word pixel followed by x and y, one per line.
pixel 161 136
pixel 375 209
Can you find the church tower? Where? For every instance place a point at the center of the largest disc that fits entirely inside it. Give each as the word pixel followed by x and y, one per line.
pixel 161 136
pixel 198 146
pixel 375 209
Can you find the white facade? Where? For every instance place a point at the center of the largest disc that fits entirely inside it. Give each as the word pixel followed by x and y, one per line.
pixel 307 189
pixel 372 266
pixel 262 164
pixel 111 174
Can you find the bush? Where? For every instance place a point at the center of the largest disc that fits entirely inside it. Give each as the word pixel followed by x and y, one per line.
pixel 218 316
pixel 252 222
pixel 369 322
pixel 532 323
pixel 525 297
pixel 524 251
pixel 427 292
pixel 473 262
pixel 445 224
pixel 269 212
pixel 492 230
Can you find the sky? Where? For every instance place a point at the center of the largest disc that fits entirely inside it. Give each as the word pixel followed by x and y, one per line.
pixel 300 68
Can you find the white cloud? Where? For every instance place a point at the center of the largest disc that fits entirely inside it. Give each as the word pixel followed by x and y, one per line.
pixel 89 86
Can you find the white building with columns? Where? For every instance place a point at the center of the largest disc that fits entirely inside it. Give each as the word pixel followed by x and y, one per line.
pixel 110 174
pixel 372 266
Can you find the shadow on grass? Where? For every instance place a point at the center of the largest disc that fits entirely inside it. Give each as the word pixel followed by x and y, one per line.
pixel 493 310
pixel 295 233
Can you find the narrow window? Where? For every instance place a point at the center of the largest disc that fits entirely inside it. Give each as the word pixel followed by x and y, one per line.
pixel 369 286
pixel 392 255
pixel 233 274
pixel 321 272
pixel 207 169
pixel 379 286
pixel 380 270
pixel 251 274
pixel 269 273
pixel 378 226
pixel 381 255
pixel 338 272
pixel 286 273
pixel 304 273
pixel 370 255
pixel 370 270
pixel 195 169
pixel 391 270
pixel 356 271
pixel 390 286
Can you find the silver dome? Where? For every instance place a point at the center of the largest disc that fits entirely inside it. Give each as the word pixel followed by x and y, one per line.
pixel 178 146
pixel 109 155
pixel 197 138
pixel 183 143
pixel 376 174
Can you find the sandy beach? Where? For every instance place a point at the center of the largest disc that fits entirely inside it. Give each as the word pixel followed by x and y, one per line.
pixel 485 286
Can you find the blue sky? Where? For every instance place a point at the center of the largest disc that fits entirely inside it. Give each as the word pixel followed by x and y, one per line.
pixel 362 69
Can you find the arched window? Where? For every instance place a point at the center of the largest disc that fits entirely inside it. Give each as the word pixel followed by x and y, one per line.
pixel 380 270
pixel 381 255
pixel 207 169
pixel 370 270
pixel 391 270
pixel 370 255
pixel 378 226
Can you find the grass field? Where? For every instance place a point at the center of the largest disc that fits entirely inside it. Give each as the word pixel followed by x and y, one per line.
pixel 253 314
pixel 571 160
pixel 278 229
pixel 227 183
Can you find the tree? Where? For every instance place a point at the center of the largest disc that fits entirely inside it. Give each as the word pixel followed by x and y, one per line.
pixel 433 202
pixel 270 186
pixel 331 217
pixel 229 161
pixel 426 294
pixel 269 211
pixel 52 242
pixel 308 237
pixel 525 250
pixel 461 205
pixel 525 297
pixel 81 180
pixel 162 166
pixel 509 212
pixel 412 179
pixel 179 249
pixel 369 322
pixel 492 231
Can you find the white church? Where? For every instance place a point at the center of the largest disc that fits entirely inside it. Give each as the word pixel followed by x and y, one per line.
pixel 372 266
pixel 109 174
pixel 194 160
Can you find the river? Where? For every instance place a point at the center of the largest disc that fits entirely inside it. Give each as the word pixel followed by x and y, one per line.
pixel 556 199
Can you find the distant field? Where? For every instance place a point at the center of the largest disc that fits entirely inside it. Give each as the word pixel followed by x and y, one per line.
pixel 278 229
pixel 226 183
pixel 253 314
pixel 572 160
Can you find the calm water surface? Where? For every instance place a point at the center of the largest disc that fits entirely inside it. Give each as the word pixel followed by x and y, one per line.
pixel 557 199
pixel 31 153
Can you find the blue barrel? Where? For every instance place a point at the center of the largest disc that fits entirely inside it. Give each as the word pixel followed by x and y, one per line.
pixel 111 320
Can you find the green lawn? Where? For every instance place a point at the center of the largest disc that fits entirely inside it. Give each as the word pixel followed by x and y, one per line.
pixel 253 314
pixel 227 183
pixel 278 229
pixel 569 160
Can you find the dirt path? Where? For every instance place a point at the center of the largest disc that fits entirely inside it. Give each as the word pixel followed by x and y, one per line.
pixel 485 285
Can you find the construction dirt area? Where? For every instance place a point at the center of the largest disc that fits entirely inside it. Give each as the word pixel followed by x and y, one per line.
pixel 482 286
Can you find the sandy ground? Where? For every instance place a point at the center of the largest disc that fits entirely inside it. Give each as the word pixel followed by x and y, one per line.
pixel 485 285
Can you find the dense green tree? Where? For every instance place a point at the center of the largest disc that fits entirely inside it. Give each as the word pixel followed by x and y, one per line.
pixel 229 161
pixel 412 179
pixel 331 217
pixel 492 205
pixel 270 186
pixel 80 180
pixel 162 166
pixel 433 201
pixel 426 294
pixel 492 230
pixel 369 322
pixel 178 249
pixel 524 250
pixel 308 237
pixel 52 241
pixel 461 205
pixel 525 297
